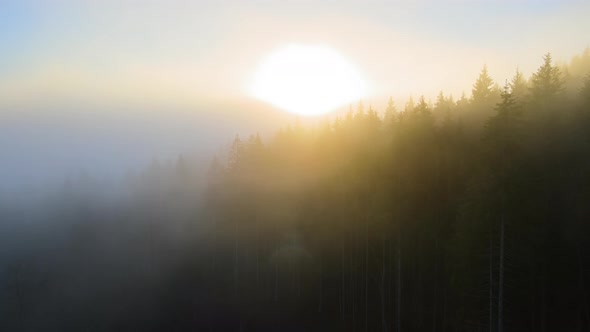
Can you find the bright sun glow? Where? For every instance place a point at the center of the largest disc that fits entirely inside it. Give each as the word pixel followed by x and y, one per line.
pixel 307 80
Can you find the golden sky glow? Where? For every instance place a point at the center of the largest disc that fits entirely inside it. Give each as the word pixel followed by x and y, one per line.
pixel 307 80
pixel 201 53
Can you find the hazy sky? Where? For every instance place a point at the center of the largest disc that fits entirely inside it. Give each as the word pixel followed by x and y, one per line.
pixel 198 52
pixel 107 85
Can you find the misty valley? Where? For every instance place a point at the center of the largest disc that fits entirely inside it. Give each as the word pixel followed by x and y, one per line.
pixel 460 214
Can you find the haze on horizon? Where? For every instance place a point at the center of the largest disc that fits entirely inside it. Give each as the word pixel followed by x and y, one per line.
pixel 110 85
pixel 202 53
pixel 294 165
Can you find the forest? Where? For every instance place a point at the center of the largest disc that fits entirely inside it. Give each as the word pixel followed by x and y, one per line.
pixel 458 214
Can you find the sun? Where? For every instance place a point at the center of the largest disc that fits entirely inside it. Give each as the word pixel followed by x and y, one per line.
pixel 307 80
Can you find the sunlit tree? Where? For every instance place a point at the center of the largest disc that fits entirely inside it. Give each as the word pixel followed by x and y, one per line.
pixel 518 86
pixel 546 82
pixel 483 87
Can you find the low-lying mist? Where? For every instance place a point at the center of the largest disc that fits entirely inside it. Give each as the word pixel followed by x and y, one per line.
pixel 449 215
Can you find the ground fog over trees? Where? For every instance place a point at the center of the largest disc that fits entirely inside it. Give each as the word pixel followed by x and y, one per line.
pixel 464 213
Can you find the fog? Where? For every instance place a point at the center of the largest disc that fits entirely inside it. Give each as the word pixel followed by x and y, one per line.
pixel 142 187
pixel 42 146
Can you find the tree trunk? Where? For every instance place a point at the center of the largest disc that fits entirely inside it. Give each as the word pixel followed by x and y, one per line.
pixel 321 295
pixel 582 287
pixel 501 277
pixel 366 273
pixel 343 289
pixel 399 281
pixel 435 292
pixel 383 265
pixel 257 253
pixel 236 262
pixel 491 281
pixel 276 295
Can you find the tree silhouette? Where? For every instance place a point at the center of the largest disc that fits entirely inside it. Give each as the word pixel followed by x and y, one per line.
pixel 482 89
pixel 546 82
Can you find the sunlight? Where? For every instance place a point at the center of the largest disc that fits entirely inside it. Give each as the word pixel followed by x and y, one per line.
pixel 307 80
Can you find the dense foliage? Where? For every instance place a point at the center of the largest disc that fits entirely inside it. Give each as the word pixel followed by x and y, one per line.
pixel 462 215
pixel 466 215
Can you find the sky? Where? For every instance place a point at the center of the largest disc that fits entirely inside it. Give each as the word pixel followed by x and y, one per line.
pixel 87 83
pixel 199 52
